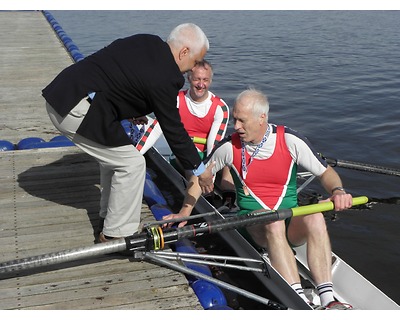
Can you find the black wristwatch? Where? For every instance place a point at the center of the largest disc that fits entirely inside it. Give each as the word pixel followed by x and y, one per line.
pixel 338 188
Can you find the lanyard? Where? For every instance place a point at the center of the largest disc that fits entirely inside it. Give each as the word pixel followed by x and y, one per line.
pixel 245 168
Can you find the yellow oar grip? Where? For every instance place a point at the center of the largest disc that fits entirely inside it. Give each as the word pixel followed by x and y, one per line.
pixel 199 140
pixel 323 206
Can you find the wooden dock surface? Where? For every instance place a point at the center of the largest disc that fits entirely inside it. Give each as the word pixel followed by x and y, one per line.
pixel 31 55
pixel 49 198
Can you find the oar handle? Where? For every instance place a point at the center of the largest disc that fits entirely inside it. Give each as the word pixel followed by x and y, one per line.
pixel 324 206
pixel 199 140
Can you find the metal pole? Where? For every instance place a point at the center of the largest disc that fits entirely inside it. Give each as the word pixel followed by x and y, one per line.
pixel 63 256
pixel 220 283
pixel 202 259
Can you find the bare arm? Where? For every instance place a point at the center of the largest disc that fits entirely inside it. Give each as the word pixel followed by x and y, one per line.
pixel 222 157
pixel 331 180
pixel 193 193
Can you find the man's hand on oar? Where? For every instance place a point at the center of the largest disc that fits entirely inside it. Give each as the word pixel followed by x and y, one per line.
pixel 341 201
pixel 174 217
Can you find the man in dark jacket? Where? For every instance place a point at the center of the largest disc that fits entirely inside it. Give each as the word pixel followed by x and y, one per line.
pixel 128 79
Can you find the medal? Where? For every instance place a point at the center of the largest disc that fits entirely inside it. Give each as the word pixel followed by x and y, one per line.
pixel 245 190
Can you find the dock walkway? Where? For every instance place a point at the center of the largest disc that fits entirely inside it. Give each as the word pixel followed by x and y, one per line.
pixel 49 198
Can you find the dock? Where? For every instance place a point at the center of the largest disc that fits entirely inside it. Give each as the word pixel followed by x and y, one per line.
pixel 49 198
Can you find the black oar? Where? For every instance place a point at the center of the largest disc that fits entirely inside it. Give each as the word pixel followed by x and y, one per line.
pixel 362 166
pixel 154 238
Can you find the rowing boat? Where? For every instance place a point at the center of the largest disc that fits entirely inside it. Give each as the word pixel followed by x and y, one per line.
pixel 349 285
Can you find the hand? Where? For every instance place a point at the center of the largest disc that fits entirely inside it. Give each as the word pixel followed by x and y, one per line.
pixel 342 201
pixel 206 180
pixel 174 216
pixel 139 120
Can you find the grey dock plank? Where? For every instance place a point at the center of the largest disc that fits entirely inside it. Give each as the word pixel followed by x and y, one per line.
pixel 49 198
pixel 31 55
pixel 57 218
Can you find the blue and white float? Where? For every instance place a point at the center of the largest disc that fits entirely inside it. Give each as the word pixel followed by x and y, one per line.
pixel 210 295
pixel 6 145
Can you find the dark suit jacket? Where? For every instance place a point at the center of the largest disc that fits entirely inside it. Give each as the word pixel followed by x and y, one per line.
pixel 132 77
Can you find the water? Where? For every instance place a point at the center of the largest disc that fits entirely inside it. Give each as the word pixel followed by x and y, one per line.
pixel 332 75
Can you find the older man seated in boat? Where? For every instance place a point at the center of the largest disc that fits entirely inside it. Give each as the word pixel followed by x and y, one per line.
pixel 263 158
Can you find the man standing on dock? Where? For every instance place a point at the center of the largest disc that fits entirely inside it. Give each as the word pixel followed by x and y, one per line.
pixel 128 79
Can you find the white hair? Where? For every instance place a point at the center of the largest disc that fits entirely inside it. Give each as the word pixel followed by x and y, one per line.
pixel 188 35
pixel 256 100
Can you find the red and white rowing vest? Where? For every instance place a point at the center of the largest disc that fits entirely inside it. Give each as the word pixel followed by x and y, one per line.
pixel 195 126
pixel 271 181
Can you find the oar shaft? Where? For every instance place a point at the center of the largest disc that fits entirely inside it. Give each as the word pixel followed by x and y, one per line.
pixel 154 238
pixel 362 166
pixel 197 216
pixel 253 218
pixel 62 256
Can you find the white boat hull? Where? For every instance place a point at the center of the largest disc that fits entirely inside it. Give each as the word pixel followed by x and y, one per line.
pixel 349 285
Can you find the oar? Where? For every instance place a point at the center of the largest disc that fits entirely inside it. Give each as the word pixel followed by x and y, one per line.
pixel 155 238
pixel 362 166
